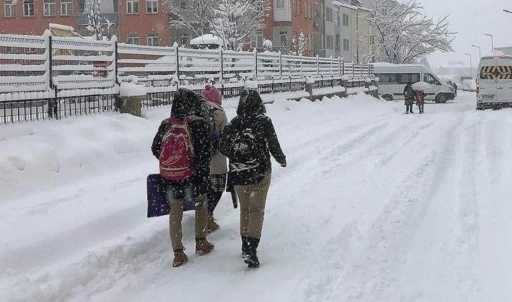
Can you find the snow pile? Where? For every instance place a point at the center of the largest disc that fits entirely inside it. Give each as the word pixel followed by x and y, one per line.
pixel 128 89
pixel 39 155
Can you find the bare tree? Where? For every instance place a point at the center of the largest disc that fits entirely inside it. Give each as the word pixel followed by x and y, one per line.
pixel 404 34
pixel 194 15
pixel 96 22
pixel 296 45
pixel 235 21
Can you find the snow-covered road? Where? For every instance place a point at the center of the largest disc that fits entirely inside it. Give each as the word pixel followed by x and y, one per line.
pixel 374 205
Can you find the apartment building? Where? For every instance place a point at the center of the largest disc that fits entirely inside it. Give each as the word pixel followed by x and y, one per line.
pixel 291 19
pixel 357 34
pixel 133 21
pixel 32 17
pixel 144 22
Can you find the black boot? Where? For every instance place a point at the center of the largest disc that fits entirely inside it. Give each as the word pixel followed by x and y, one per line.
pixel 245 246
pixel 252 259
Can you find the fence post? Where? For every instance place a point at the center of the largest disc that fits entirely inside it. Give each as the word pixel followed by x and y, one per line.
pixel 116 60
pixel 177 63
pixel 221 53
pixel 280 66
pixel 339 66
pixel 343 67
pixel 317 65
pixel 50 61
pixel 255 65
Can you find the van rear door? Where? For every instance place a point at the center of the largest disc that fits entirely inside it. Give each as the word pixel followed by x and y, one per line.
pixel 487 80
pixel 504 80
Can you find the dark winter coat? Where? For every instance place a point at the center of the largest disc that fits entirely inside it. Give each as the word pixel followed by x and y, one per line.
pixel 186 103
pixel 409 94
pixel 250 113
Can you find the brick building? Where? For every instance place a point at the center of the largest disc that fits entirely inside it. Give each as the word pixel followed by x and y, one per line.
pixel 32 17
pixel 142 22
pixel 291 18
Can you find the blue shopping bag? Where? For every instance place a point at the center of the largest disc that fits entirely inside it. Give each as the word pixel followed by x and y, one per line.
pixel 157 197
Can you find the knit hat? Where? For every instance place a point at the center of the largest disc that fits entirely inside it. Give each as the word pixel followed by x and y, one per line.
pixel 212 94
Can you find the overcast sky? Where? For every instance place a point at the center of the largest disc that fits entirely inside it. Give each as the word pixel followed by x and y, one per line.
pixel 469 19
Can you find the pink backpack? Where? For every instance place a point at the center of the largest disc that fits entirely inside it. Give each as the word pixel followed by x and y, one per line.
pixel 177 155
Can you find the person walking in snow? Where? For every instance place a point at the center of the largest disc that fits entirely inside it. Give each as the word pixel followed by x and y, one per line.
pixel 184 110
pixel 248 141
pixel 218 162
pixel 408 98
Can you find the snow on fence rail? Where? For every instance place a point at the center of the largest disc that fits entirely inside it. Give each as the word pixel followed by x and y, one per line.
pixel 68 71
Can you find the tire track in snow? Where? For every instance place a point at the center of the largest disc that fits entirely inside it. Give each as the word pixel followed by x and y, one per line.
pixel 385 235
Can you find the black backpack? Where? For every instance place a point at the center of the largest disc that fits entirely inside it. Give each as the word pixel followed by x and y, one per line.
pixel 247 157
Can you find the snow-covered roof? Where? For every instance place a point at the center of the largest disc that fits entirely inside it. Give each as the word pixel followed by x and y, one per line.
pixel 337 3
pixel 207 39
pixel 61 27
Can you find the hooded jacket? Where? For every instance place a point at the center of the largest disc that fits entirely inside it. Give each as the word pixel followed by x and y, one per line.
pixel 187 103
pixel 250 113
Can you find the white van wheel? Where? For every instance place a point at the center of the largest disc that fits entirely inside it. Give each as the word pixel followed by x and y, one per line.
pixel 441 98
pixel 387 97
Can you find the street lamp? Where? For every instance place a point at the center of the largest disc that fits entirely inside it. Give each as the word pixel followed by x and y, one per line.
pixel 492 41
pixel 479 51
pixel 470 64
pixel 507 11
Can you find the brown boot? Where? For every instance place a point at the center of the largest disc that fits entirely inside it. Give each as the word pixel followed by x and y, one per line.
pixel 179 258
pixel 203 247
pixel 212 225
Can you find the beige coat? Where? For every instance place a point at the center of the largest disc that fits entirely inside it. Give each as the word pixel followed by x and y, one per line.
pixel 218 163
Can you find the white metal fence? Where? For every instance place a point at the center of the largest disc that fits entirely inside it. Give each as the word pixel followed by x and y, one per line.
pixel 46 69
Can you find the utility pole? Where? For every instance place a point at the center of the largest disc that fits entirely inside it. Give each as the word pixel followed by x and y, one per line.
pixel 470 64
pixel 479 51
pixel 492 41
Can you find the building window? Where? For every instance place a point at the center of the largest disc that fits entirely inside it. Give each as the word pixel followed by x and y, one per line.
pixel 133 38
pixel 81 6
pixel 345 20
pixel 257 40
pixel 183 40
pixel 49 8
pixel 152 6
pixel 183 5
pixel 28 8
pixel 346 45
pixel 338 18
pixel 329 42
pixel 153 39
pixel 66 7
pixel 132 7
pixel 9 8
pixel 280 4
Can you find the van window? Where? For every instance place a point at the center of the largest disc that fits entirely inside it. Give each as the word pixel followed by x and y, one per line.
pixel 428 78
pixel 386 77
pixel 495 72
pixel 404 78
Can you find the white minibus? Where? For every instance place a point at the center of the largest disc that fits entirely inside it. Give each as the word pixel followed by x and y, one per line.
pixel 394 77
pixel 494 87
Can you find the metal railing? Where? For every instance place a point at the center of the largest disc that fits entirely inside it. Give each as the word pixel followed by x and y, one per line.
pixel 45 77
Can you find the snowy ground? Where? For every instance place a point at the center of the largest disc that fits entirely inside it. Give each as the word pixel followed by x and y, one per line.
pixel 374 205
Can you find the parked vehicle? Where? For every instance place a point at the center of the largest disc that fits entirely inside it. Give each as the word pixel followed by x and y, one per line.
pixel 394 77
pixel 494 88
pixel 469 85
